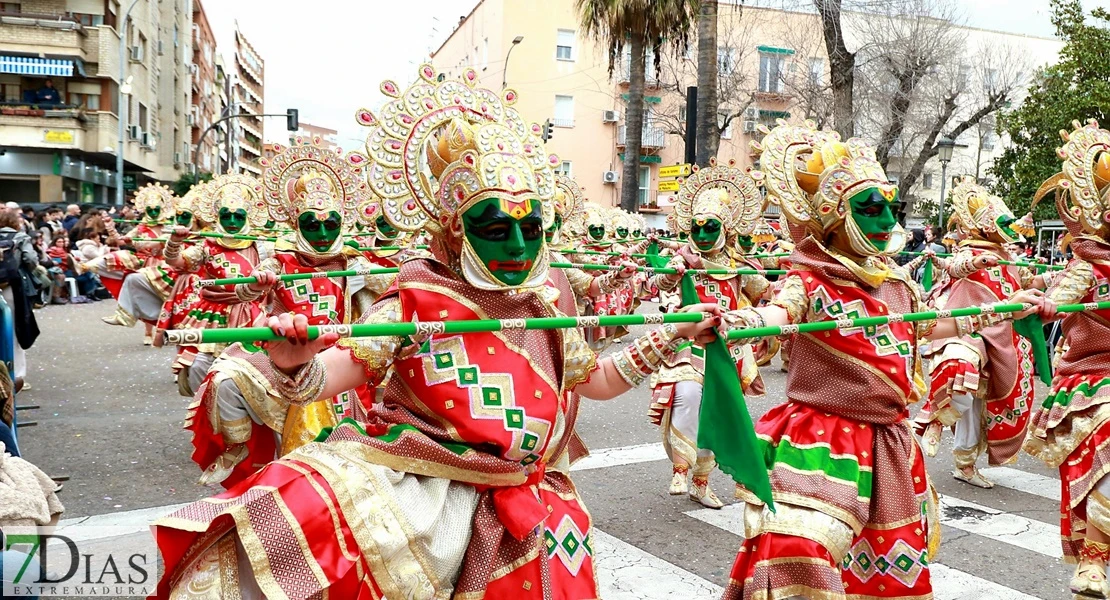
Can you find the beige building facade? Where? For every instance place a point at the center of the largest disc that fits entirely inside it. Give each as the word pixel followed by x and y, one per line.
pixel 247 86
pixel 772 64
pixel 60 146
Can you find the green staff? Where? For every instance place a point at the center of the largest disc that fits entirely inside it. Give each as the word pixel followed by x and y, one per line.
pixel 1001 262
pixel 354 244
pixel 598 253
pixel 258 334
pixel 668 270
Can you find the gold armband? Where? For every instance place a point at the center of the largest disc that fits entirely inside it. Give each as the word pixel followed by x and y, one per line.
pixel 646 354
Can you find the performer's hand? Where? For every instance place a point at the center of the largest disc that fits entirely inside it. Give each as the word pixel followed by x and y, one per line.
pixel 1048 311
pixel 628 269
pixel 1034 297
pixel 125 240
pixel 679 265
pixel 266 280
pixel 702 331
pixel 296 350
pixel 984 261
pixel 179 234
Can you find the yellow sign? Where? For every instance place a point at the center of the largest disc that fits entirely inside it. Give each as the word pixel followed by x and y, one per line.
pixel 669 186
pixel 674 171
pixel 57 137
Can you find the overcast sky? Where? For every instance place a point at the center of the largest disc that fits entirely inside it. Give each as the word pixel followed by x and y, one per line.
pixel 343 49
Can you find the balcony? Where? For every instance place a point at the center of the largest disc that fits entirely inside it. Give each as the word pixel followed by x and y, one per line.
pixel 37 35
pixel 42 126
pixel 651 138
pixel 651 80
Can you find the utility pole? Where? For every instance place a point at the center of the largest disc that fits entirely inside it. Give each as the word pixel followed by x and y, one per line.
pixel 691 124
pixel 121 107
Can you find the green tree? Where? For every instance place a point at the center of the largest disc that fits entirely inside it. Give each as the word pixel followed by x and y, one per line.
pixel 188 180
pixel 1077 87
pixel 639 24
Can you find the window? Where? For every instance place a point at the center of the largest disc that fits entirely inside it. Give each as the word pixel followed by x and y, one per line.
pixel 89 101
pixel 564 45
pixel 726 132
pixel 85 19
pixel 816 72
pixel 564 111
pixel 564 168
pixel 927 181
pixel 771 73
pixel 645 186
pixel 990 140
pixel 992 80
pixel 682 113
pixel 726 61
pixel 11 7
pixel 11 92
pixel 964 76
pixel 485 54
pixel 476 55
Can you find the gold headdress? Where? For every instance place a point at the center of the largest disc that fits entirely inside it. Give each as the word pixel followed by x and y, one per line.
pixel 722 192
pixel 811 174
pixel 976 212
pixel 155 194
pixel 619 219
pixel 1083 184
pixel 594 215
pixel 762 233
pixel 233 191
pixel 190 202
pixel 568 197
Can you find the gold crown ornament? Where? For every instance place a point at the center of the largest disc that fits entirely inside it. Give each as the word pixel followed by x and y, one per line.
pixel 567 203
pixel 439 147
pixel 1082 186
pixel 724 193
pixel 762 233
pixel 595 215
pixel 308 177
pixel 155 194
pixel 811 175
pixel 975 212
pixel 190 202
pixel 233 191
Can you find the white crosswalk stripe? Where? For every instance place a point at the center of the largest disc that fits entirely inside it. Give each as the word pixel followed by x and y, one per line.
pixel 1024 481
pixel 1001 527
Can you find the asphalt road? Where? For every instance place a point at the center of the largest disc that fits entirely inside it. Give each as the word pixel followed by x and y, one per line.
pixel 110 420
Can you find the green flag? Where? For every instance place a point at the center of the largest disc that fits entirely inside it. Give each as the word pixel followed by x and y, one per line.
pixel 1032 329
pixel 653 258
pixel 927 277
pixel 724 425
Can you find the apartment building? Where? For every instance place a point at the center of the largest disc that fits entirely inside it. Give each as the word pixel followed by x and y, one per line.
pixel 247 87
pixel 58 140
pixel 771 63
pixel 206 85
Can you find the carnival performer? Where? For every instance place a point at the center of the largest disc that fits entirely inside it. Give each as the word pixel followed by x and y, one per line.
pixel 233 204
pixel 833 534
pixel 238 420
pixel 452 487
pixel 981 384
pixel 1070 429
pixel 716 205
pixel 148 283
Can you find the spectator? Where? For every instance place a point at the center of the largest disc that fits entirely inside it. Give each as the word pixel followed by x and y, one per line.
pixel 50 225
pixel 60 267
pixel 916 243
pixel 48 94
pixel 13 291
pixel 931 242
pixel 73 214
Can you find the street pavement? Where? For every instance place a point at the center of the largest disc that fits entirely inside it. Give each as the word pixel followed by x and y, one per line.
pixel 110 419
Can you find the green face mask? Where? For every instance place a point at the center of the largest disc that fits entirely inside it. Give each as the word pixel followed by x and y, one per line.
pixel 682 235
pixel 622 232
pixel 320 234
pixel 555 227
pixel 153 212
pixel 385 230
pixel 705 235
pixel 507 245
pixel 745 241
pixel 270 224
pixel 597 231
pixel 233 221
pixel 874 214
pixel 184 218
pixel 637 233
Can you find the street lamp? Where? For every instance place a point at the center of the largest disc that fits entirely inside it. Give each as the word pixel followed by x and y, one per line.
pixel 124 88
pixel 505 72
pixel 945 146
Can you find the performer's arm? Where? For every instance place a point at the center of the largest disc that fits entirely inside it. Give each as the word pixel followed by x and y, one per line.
pixel 187 260
pixel 266 274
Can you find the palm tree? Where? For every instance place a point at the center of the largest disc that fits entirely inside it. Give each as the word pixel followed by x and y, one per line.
pixel 708 132
pixel 639 24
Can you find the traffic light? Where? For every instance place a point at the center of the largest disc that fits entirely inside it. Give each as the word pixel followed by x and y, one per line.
pixel 547 133
pixel 292 119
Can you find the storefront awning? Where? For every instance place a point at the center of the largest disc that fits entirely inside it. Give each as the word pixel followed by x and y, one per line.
pixel 43 67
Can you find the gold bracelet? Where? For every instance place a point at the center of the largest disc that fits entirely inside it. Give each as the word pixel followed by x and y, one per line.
pixel 646 354
pixel 244 293
pixel 609 283
pixel 304 386
pixel 172 251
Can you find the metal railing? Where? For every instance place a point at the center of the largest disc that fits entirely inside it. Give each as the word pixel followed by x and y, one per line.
pixel 650 137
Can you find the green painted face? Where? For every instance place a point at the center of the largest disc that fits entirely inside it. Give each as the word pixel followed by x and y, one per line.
pixel 556 225
pixel 622 232
pixel 233 221
pixel 507 238
pixel 637 233
pixel 270 224
pixel 153 212
pixel 385 229
pixel 682 235
pixel 705 234
pixel 184 218
pixel 320 230
pixel 873 212
pixel 745 241
pixel 597 232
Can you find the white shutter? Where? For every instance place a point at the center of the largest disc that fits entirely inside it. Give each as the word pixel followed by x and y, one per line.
pixel 88 7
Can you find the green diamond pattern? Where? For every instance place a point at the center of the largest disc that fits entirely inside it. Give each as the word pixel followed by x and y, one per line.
pixel 302 289
pixel 904 562
pixel 314 298
pixel 571 544
pixel 550 541
pixel 882 564
pixel 586 545
pixel 864 561
pixel 468 376
pixel 444 360
pixel 530 442
pixel 491 397
pixel 514 418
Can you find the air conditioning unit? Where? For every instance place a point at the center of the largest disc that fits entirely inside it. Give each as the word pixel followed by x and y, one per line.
pixel 610 116
pixel 134 132
pixel 610 177
pixel 751 113
pixel 159 47
pixel 136 53
pixel 750 126
pixel 146 140
pixel 176 158
pixel 192 119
